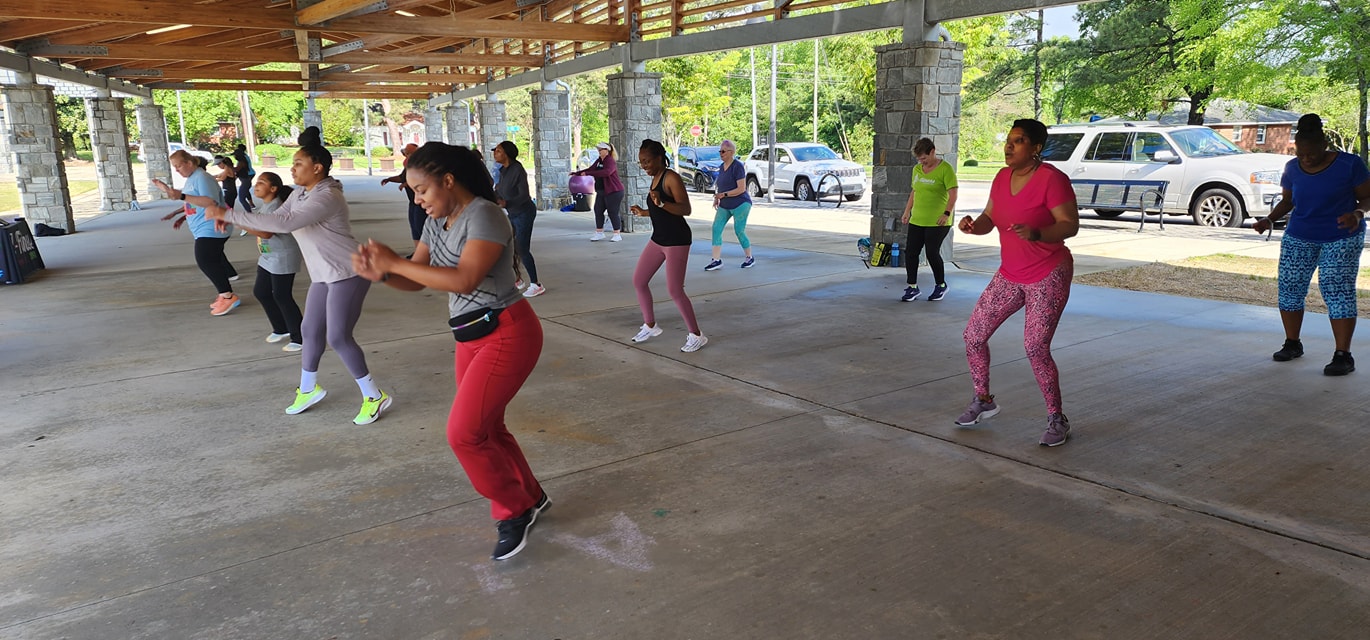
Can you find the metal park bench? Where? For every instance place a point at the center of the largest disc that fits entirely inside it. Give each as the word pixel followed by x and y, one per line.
pixel 1146 196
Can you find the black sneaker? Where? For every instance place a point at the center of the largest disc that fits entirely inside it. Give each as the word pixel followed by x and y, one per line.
pixel 513 535
pixel 1342 363
pixel 1291 349
pixel 543 503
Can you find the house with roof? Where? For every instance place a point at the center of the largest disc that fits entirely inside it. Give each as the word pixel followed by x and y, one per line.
pixel 1252 127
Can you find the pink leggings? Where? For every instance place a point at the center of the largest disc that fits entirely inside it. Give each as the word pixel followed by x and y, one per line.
pixel 648 264
pixel 1044 301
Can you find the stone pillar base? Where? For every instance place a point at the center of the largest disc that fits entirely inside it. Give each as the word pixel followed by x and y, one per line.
pixel 917 95
pixel 634 116
pixel 492 129
pixel 552 147
pixel 458 121
pixel 35 141
pixel 156 157
pixel 109 141
pixel 433 126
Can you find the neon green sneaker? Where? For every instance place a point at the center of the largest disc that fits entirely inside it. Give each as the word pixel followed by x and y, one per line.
pixel 372 408
pixel 305 400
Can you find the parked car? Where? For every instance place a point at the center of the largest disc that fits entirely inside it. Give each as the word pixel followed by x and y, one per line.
pixel 699 166
pixel 1204 174
pixel 800 169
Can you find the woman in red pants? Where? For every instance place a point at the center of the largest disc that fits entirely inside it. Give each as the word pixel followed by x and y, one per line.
pixel 467 250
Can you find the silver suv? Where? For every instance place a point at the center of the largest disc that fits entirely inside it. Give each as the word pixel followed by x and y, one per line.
pixel 1200 173
pixel 803 169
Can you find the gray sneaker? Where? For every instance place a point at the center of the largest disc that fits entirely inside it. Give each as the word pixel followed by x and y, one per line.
pixel 1058 428
pixel 977 411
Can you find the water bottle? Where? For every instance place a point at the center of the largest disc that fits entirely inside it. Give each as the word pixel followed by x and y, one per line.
pixel 894 255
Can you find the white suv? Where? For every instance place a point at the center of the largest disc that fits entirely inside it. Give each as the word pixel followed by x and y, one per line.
pixel 1201 173
pixel 801 169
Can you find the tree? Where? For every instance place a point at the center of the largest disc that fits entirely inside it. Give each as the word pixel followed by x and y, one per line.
pixel 1338 35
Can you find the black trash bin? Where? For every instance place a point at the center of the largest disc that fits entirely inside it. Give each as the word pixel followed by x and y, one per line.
pixel 19 255
pixel 581 201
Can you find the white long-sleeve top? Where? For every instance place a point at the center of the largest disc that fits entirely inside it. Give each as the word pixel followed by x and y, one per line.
pixel 319 219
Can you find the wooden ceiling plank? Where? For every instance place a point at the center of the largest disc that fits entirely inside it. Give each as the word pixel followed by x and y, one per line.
pixel 329 9
pixel 17 30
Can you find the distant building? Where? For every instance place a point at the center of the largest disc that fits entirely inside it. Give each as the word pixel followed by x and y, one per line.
pixel 1252 127
pixel 411 129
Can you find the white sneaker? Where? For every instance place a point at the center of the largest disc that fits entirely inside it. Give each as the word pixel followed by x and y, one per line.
pixel 599 235
pixel 292 347
pixel 646 333
pixel 616 238
pixel 277 337
pixel 694 342
pixel 534 290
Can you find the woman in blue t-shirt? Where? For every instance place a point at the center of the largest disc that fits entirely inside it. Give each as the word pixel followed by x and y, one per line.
pixel 1326 194
pixel 731 200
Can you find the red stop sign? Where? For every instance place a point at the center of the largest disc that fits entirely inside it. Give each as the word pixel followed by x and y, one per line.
pixel 696 131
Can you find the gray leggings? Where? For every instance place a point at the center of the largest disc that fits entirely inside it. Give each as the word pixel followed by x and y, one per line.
pixel 331 311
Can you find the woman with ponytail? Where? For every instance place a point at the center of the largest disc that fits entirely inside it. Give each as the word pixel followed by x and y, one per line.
pixel 667 205
pixel 468 249
pixel 1326 195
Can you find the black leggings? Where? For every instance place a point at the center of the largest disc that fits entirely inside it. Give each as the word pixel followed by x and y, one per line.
pixel 610 202
pixel 209 255
pixel 275 292
pixel 932 238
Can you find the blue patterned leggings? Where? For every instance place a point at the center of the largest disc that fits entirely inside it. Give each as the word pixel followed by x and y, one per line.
pixel 1337 264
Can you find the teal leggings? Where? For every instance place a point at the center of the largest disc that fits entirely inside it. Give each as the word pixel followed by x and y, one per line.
pixel 739 216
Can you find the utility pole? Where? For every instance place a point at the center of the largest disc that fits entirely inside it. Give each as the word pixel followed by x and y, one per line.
pixel 815 92
pixel 752 53
pixel 1037 68
pixel 770 174
pixel 366 132
pixel 182 115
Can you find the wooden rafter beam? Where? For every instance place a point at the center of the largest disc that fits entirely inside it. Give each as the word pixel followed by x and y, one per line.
pixel 125 53
pixel 163 12
pixel 192 74
pixel 329 9
pixel 16 30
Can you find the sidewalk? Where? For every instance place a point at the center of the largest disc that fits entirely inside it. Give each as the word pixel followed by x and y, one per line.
pixel 800 477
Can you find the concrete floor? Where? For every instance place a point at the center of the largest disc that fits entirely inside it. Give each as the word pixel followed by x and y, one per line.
pixel 800 477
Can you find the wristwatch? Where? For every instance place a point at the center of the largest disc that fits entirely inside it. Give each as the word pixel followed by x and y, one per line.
pixel 183 195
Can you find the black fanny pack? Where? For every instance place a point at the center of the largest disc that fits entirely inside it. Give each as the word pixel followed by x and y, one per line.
pixel 474 325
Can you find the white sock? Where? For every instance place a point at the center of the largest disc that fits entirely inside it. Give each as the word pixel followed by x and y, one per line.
pixel 368 386
pixel 308 379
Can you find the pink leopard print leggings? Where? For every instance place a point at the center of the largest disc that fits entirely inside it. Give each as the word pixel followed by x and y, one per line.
pixel 1044 301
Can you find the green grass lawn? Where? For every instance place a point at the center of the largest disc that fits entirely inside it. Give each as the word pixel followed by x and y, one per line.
pixel 9 192
pixel 985 171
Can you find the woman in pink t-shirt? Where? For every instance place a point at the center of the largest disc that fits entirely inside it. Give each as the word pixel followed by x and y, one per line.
pixel 1033 207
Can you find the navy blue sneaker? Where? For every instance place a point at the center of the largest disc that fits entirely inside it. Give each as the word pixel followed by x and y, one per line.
pixel 911 293
pixel 938 292
pixel 714 265
pixel 747 264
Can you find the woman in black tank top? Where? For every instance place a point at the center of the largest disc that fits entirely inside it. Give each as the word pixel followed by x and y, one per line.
pixel 667 205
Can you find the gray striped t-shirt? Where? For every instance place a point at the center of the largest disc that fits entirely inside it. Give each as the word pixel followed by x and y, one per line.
pixel 480 220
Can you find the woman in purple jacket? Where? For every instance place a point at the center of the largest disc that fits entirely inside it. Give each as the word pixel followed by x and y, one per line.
pixel 608 191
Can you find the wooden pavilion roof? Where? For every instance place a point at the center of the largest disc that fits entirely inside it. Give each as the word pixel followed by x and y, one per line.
pixel 347 48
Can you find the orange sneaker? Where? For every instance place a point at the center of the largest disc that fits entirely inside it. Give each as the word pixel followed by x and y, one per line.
pixel 224 305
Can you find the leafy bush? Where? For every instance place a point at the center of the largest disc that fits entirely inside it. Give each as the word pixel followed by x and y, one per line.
pixel 276 150
pixel 971 162
pixel 381 152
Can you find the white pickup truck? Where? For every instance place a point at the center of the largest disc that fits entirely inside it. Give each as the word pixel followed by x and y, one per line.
pixel 1187 170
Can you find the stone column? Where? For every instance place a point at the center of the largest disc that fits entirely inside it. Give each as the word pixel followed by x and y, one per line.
pixel 313 117
pixel 458 120
pixel 917 95
pixel 492 129
pixel 552 147
pixel 36 142
pixel 634 115
pixel 433 125
pixel 156 158
pixel 6 156
pixel 109 141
